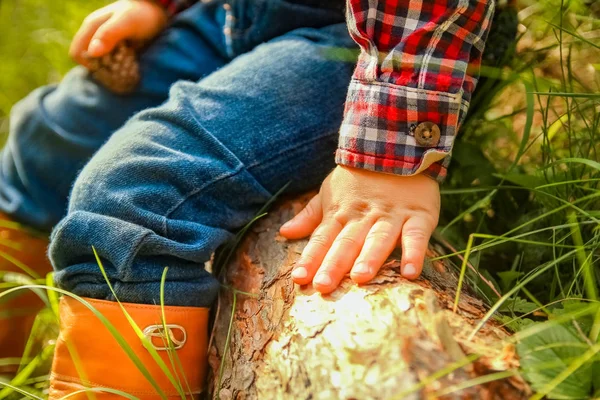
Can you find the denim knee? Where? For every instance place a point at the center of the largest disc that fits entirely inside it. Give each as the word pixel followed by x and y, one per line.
pixel 144 206
pixel 134 256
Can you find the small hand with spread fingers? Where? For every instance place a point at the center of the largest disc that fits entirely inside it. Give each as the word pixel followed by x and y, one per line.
pixel 358 218
pixel 135 21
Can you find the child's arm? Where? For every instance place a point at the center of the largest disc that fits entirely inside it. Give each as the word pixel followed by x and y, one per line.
pixel 409 94
pixel 137 20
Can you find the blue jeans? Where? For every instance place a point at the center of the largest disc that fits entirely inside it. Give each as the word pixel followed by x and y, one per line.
pixel 220 122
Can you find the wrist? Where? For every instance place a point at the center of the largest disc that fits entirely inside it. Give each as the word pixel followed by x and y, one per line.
pixel 169 8
pixel 371 175
pixel 161 9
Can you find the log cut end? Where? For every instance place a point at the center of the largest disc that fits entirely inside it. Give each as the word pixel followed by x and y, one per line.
pixel 390 339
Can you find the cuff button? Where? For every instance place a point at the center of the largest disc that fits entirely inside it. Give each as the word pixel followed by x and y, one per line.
pixel 427 134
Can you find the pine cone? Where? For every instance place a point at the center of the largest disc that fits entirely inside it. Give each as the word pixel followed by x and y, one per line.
pixel 117 71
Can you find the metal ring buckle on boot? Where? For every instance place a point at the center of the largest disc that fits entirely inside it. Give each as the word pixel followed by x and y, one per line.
pixel 153 331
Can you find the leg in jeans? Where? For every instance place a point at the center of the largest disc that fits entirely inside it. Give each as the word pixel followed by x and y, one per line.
pixel 178 180
pixel 171 186
pixel 56 129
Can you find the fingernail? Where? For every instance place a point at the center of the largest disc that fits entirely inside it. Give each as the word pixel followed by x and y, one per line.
pixel 95 47
pixel 323 280
pixel 299 273
pixel 409 270
pixel 361 269
pixel 287 224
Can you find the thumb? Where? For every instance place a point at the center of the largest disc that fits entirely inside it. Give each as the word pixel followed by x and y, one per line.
pixel 113 31
pixel 415 239
pixel 303 224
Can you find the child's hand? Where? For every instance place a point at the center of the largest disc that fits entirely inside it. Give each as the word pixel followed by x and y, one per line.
pixel 357 220
pixel 138 20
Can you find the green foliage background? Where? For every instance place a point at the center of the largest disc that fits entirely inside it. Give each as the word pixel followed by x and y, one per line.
pixel 34 41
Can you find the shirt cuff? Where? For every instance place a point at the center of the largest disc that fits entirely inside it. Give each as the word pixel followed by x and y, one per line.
pixel 399 129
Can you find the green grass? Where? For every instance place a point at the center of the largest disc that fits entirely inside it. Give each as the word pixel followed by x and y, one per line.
pixel 521 207
pixel 524 201
pixel 34 40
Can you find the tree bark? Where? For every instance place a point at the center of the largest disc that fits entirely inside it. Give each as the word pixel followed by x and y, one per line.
pixel 390 339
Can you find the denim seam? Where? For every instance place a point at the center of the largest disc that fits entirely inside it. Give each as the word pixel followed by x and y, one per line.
pixel 240 169
pixel 63 133
pixel 195 192
pixel 287 151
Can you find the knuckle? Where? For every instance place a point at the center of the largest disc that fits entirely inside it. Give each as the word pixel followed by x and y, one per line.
pixel 333 208
pixel 341 217
pixel 306 260
pixel 319 240
pixel 310 258
pixel 358 210
pixel 347 241
pixel 361 207
pixel 426 214
pixel 418 208
pixel 415 235
pixel 388 208
pixel 377 237
pixel 326 268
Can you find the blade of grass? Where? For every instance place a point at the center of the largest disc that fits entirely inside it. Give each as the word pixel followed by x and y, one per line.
pixel 436 375
pixel 226 347
pixel 584 261
pixel 515 289
pixel 230 247
pixel 145 342
pixel 27 352
pixel 27 371
pixel 574 366
pixel 539 309
pixel 576 35
pixel 109 326
pixel 537 329
pixel 480 380
pixel 22 279
pixel 566 94
pixel 522 147
pixel 52 296
pixel 20 265
pixel 100 390
pixel 21 391
pixel 463 271
pixel 172 352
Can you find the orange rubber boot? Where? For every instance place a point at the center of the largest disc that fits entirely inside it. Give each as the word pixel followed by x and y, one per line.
pixel 87 356
pixel 19 246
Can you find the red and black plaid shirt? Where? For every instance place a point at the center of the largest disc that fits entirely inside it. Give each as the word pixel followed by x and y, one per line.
pixel 418 63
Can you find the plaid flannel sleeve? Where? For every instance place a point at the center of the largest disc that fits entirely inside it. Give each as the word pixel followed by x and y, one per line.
pixel 418 66
pixel 175 6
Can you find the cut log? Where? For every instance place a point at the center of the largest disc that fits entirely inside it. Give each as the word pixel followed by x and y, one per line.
pixel 389 339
